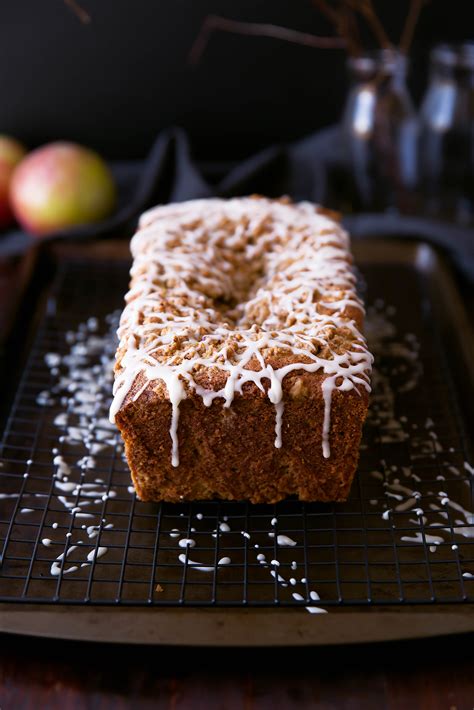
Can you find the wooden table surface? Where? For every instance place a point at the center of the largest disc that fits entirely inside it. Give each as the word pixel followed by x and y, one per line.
pixel 421 675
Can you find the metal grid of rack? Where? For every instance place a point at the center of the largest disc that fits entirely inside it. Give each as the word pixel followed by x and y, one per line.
pixel 405 535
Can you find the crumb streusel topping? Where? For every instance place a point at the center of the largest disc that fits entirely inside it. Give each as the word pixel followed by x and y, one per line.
pixel 251 288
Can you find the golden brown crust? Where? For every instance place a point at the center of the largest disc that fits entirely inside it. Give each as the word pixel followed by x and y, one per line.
pixel 230 453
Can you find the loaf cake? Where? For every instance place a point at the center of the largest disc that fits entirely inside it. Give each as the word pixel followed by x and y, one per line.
pixel 241 371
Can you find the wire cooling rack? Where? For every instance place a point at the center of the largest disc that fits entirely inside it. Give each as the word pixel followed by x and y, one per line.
pixel 73 532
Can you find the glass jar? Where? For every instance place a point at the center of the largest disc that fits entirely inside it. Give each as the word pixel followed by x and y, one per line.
pixel 379 127
pixel 447 134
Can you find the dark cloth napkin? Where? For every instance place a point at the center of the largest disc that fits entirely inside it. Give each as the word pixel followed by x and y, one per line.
pixel 300 169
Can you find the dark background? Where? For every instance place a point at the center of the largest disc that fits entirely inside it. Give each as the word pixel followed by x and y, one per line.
pixel 116 82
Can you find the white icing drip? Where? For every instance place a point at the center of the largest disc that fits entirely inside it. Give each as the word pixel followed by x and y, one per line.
pixel 174 433
pixel 187 542
pixel 190 257
pixel 56 567
pixel 277 576
pixel 327 387
pixel 67 486
pixel 95 554
pixel 285 541
pixel 184 559
pixel 316 610
pixel 418 537
pixel 469 468
pixel 279 406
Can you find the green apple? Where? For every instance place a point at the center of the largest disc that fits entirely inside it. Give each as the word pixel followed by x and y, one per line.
pixel 11 153
pixel 59 186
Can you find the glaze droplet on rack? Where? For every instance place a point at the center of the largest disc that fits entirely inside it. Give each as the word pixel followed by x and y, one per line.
pixel 233 285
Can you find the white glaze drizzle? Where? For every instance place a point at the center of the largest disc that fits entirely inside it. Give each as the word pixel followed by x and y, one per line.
pixel 187 542
pixel 279 406
pixel 184 559
pixel 190 257
pixel 285 541
pixel 57 566
pixel 95 554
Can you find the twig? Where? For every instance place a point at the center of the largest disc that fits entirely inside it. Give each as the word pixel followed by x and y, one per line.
pixel 325 8
pixel 79 11
pixel 353 26
pixel 256 29
pixel 366 8
pixel 344 22
pixel 416 7
pixel 350 30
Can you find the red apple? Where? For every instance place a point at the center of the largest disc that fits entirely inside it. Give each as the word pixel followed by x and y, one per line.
pixel 11 152
pixel 61 185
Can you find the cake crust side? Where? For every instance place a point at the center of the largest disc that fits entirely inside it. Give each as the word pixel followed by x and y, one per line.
pixel 229 453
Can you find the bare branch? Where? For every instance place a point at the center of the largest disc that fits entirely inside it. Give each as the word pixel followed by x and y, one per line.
pixel 256 29
pixel 326 9
pixel 350 31
pixel 416 7
pixel 366 9
pixel 82 15
pixel 344 22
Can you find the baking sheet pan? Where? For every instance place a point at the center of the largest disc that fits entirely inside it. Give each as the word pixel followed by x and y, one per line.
pixel 386 267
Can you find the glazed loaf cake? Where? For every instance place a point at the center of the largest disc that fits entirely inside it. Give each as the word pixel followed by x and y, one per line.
pixel 241 370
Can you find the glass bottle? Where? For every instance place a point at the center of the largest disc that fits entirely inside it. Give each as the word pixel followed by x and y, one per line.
pixel 379 128
pixel 447 134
